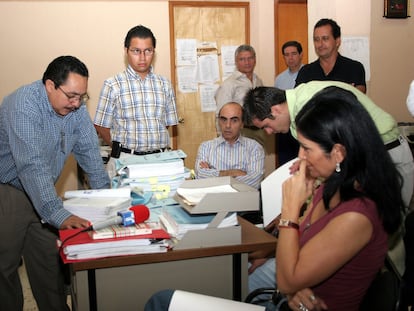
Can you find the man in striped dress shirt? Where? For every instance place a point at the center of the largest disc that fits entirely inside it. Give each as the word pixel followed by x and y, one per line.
pixel 231 154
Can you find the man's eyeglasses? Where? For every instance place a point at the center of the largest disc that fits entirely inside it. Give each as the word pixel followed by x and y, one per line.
pixel 75 97
pixel 146 52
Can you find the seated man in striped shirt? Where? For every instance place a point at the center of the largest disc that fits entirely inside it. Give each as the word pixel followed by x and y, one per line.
pixel 231 154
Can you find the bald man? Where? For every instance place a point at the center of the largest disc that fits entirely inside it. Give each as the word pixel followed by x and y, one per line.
pixel 231 154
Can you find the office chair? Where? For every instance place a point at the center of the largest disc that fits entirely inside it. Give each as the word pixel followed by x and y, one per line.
pixel 382 295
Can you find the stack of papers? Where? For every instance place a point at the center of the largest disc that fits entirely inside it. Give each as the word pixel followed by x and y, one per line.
pixel 120 231
pixel 193 196
pixel 160 178
pixel 97 204
pixel 165 168
pixel 178 221
pixel 98 193
pixel 77 246
pixel 96 209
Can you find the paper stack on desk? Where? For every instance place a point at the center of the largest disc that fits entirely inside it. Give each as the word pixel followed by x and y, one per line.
pixel 178 221
pixel 120 231
pixel 142 170
pixel 96 209
pixel 76 245
pixel 193 196
pixel 160 176
pixel 97 204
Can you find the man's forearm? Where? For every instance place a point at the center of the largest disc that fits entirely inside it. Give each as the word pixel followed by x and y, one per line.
pixel 105 133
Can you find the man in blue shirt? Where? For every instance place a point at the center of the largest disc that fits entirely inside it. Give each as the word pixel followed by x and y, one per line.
pixel 231 154
pixel 287 147
pixel 41 124
pixel 292 54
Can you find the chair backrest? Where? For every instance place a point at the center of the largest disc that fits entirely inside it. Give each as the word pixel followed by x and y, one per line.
pixel 383 293
pixel 271 189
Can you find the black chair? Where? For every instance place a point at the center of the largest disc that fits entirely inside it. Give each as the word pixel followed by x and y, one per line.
pixel 382 295
pixel 407 283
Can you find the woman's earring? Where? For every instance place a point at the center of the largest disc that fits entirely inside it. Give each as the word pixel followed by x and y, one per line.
pixel 338 167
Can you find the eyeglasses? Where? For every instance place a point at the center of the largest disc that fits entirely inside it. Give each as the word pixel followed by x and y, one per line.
pixel 73 98
pixel 146 52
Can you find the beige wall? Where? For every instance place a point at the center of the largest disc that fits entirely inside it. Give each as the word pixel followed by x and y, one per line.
pixel 34 32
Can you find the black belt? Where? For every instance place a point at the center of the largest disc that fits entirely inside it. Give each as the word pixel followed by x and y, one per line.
pixel 126 150
pixel 392 144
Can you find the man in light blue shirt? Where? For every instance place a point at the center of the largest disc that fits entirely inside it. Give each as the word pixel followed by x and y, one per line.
pixel 231 154
pixel 287 147
pixel 292 54
pixel 41 124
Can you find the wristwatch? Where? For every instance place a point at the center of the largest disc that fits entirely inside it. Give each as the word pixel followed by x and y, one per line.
pixel 288 223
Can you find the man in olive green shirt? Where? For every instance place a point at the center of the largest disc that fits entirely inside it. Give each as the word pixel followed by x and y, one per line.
pixel 274 111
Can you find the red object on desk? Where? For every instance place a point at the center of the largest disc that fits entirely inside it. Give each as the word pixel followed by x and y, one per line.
pixel 75 237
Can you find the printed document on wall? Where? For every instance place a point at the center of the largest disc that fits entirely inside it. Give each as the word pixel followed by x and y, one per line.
pixel 207 92
pixel 357 48
pixel 186 52
pixel 187 79
pixel 208 68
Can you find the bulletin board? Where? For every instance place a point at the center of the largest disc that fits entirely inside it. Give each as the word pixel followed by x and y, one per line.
pixel 202 36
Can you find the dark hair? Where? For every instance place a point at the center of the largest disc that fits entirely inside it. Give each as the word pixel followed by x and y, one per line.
pixel 59 69
pixel 295 44
pixel 335 116
pixel 244 48
pixel 257 103
pixel 336 30
pixel 139 32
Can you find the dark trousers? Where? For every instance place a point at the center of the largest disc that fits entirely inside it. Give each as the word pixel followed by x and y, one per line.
pixel 22 234
pixel 287 147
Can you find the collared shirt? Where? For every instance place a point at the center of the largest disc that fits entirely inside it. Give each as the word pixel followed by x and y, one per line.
pixel 287 79
pixel 345 70
pixel 245 154
pixel 137 110
pixel 234 88
pixel 299 96
pixel 35 142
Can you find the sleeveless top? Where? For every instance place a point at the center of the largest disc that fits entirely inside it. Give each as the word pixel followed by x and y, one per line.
pixel 345 289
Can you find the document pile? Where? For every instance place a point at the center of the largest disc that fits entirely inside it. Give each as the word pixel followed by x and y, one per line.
pixel 193 196
pixel 160 174
pixel 120 231
pixel 76 245
pixel 178 221
pixel 97 205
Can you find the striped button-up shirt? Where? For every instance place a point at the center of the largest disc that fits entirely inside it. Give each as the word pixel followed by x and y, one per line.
pixel 245 154
pixel 137 110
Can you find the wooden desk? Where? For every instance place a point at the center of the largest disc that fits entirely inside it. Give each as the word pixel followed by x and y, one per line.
pixel 127 282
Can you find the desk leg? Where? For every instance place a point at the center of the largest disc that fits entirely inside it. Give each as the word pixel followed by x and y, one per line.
pixel 237 280
pixel 93 303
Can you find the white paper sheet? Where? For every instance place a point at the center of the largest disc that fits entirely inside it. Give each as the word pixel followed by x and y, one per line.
pixel 186 301
pixel 271 188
